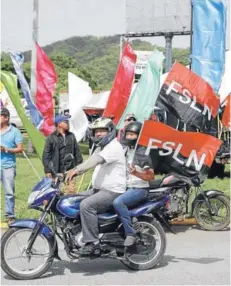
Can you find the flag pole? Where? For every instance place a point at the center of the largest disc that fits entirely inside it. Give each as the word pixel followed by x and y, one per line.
pixel 33 50
pixel 191 35
pixel 36 173
pixel 33 86
pixel 137 142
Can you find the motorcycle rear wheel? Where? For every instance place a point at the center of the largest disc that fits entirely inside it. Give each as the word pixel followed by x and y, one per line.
pixel 215 222
pixel 157 253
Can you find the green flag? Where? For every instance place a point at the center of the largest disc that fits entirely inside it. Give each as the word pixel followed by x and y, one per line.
pixel 10 83
pixel 143 99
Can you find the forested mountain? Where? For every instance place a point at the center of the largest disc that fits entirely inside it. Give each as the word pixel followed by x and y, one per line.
pixel 94 59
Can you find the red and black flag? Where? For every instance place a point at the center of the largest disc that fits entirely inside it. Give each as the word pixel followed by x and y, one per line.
pixel 226 120
pixel 183 153
pixel 188 97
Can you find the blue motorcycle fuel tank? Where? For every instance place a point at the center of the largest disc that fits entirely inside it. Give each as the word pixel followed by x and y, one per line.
pixel 69 206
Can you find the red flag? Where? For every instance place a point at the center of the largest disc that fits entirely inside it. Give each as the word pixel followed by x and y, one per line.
pixel 46 82
pixel 122 85
pixel 185 153
pixel 226 121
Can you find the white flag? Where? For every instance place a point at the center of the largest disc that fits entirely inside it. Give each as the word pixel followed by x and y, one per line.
pixel 79 95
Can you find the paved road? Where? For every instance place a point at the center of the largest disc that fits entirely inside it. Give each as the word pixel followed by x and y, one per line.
pixel 193 257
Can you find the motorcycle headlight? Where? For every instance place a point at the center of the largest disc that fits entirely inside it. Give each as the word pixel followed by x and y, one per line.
pixel 32 197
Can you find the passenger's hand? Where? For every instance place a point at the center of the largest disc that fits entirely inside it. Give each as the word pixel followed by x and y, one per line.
pixel 132 170
pixel 71 174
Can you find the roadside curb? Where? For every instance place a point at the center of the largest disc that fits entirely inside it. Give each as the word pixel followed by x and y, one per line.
pixel 3 226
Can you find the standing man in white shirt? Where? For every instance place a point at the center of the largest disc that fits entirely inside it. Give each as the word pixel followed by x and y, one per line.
pixel 108 180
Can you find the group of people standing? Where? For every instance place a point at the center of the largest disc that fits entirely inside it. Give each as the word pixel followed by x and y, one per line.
pixel 121 171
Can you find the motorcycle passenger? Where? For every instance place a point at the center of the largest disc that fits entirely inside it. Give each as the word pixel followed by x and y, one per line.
pixel 108 180
pixel 139 173
pixel 130 117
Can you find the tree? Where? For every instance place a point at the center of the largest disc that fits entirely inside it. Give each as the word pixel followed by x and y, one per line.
pixel 6 63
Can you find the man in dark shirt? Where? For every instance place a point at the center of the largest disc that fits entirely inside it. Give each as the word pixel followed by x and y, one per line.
pixel 58 145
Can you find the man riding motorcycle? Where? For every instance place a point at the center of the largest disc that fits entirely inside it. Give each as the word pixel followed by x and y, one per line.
pixel 108 180
pixel 139 172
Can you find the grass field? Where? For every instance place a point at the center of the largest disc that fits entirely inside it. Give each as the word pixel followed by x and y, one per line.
pixel 26 179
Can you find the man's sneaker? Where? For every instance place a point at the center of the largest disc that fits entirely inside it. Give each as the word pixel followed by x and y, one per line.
pixel 90 248
pixel 9 220
pixel 130 240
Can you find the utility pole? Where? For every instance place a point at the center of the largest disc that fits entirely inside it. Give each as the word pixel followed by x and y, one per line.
pixel 168 52
pixel 33 86
pixel 121 45
pixel 33 50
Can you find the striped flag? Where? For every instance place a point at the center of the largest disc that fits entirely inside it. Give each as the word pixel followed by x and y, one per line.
pixel 35 115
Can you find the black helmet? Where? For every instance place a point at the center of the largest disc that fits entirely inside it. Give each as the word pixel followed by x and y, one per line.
pixel 104 123
pixel 134 127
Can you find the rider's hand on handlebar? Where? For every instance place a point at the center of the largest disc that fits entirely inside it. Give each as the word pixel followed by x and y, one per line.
pixel 71 174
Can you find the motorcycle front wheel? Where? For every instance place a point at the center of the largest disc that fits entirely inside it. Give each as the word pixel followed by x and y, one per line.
pixel 14 260
pixel 149 248
pixel 219 219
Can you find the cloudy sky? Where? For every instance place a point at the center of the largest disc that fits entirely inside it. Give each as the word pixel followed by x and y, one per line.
pixel 61 19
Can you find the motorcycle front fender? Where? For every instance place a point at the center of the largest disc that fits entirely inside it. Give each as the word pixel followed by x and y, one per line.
pixel 44 229
pixel 31 223
pixel 209 194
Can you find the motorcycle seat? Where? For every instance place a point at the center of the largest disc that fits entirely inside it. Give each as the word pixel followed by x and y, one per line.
pixel 155 184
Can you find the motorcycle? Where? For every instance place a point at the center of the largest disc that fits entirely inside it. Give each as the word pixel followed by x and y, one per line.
pixel 211 208
pixel 36 242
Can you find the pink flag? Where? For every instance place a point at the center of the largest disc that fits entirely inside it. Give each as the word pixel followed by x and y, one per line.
pixel 46 82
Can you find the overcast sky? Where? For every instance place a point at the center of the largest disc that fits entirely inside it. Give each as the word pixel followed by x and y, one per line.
pixel 61 19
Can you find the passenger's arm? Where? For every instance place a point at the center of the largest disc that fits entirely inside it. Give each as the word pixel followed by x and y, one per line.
pixel 146 175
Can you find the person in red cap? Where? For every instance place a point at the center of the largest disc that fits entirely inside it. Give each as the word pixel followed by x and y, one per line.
pixel 58 145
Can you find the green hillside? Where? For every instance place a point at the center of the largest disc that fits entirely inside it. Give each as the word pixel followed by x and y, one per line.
pixel 92 58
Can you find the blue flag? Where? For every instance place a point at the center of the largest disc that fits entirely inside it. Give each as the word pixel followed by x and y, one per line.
pixel 35 115
pixel 208 47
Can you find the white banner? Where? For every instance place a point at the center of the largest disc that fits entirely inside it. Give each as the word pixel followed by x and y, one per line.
pixel 141 61
pixel 80 94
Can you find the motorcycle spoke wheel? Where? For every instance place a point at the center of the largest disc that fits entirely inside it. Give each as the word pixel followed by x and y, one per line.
pixel 216 218
pixel 147 247
pixel 16 262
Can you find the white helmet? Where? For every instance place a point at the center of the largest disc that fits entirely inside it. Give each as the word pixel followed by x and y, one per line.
pixel 104 123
